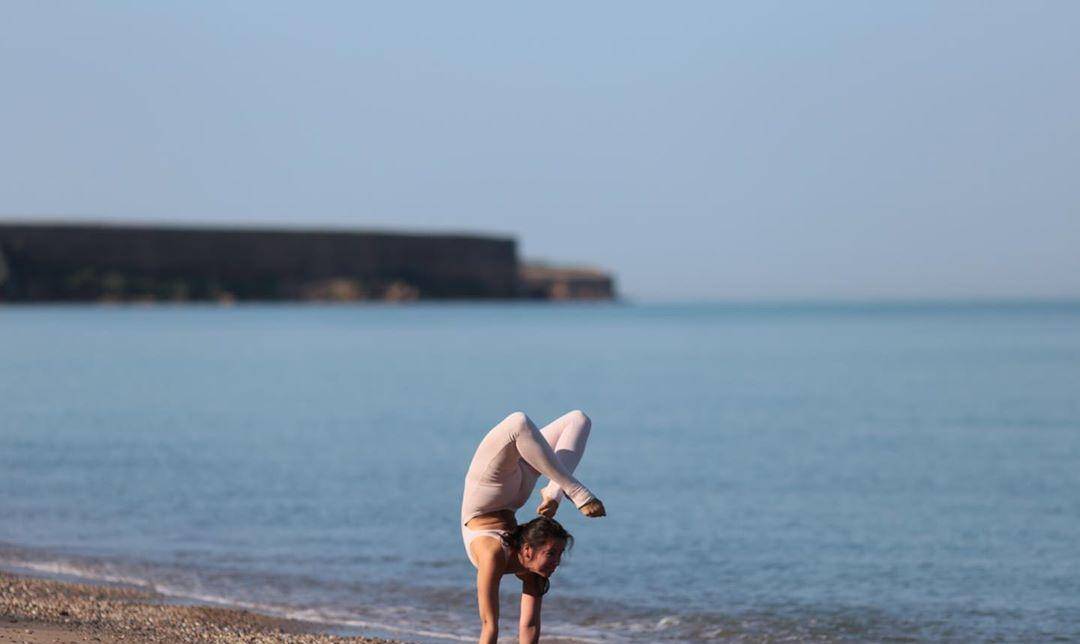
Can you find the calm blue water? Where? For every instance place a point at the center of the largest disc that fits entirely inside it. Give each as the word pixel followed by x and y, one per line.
pixel 804 472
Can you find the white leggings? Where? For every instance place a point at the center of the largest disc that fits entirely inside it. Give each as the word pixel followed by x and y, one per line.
pixel 515 453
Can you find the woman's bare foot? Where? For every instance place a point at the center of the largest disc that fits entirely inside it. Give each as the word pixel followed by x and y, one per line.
pixel 548 508
pixel 594 508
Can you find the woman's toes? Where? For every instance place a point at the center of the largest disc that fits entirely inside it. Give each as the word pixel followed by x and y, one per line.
pixel 548 508
pixel 594 508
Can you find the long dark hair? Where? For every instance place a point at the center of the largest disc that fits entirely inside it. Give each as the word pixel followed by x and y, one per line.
pixel 536 533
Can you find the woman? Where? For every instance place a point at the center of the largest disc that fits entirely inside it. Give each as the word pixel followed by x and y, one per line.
pixel 500 480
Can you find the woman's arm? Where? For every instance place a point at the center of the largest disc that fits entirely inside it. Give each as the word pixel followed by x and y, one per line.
pixel 491 564
pixel 532 593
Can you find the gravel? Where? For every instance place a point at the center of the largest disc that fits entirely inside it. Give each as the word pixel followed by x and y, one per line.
pixel 115 613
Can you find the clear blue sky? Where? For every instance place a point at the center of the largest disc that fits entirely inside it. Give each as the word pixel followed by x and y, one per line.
pixel 699 150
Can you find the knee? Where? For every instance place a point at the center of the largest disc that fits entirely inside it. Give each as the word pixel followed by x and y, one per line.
pixel 579 419
pixel 518 421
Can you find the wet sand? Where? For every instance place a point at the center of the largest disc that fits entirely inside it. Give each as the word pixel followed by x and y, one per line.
pixel 40 610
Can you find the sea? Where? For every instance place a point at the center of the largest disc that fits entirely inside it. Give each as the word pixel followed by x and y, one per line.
pixel 772 471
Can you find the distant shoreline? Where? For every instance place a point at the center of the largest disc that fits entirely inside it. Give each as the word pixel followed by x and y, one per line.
pixel 778 305
pixel 98 262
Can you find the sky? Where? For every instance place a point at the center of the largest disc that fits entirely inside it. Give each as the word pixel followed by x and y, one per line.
pixel 698 150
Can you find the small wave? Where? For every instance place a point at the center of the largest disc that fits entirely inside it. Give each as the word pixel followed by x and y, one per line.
pixel 311 615
pixel 591 621
pixel 68 569
pixel 98 573
pixel 320 617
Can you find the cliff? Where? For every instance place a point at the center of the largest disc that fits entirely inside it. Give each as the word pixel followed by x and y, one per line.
pixel 544 282
pixel 88 262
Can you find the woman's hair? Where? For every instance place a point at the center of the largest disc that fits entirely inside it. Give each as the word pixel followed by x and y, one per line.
pixel 538 532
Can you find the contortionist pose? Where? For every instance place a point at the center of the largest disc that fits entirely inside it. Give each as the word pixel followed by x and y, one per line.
pixel 500 480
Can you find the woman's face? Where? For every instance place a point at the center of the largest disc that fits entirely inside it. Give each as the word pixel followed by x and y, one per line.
pixel 544 559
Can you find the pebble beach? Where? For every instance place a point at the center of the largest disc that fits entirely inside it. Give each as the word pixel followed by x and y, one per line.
pixel 40 610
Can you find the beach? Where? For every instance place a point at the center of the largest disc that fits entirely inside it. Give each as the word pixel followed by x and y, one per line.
pixel 40 610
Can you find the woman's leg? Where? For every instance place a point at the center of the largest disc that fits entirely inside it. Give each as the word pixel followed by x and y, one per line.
pixel 496 479
pixel 567 436
pixel 516 443
pixel 536 450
